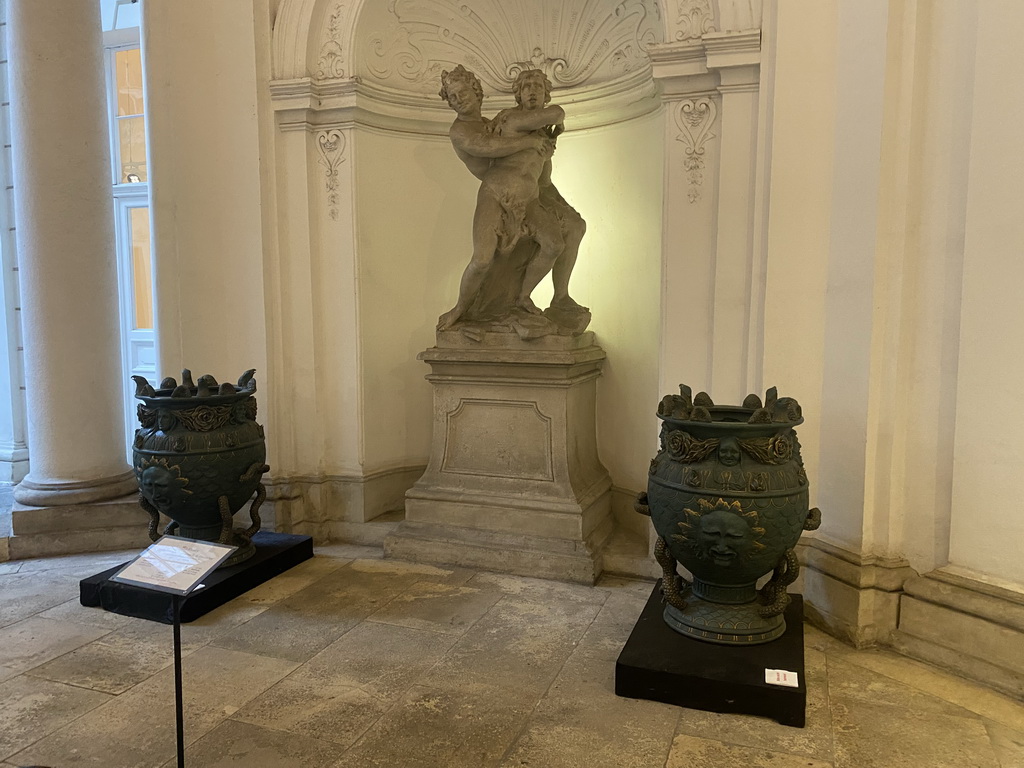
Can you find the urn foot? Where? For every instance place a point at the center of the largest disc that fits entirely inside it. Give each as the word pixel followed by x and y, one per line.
pixel 246 549
pixel 724 624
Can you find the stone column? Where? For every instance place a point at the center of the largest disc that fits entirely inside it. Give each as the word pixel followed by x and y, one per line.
pixel 65 228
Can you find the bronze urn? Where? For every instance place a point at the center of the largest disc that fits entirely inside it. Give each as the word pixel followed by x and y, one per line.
pixel 728 497
pixel 199 456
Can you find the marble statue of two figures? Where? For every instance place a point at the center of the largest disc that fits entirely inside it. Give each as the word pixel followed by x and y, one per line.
pixel 522 227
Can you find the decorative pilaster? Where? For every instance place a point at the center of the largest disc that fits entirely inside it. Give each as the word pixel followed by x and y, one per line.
pixel 64 221
pixel 711 88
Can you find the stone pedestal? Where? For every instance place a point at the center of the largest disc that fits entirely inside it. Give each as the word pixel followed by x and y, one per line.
pixel 514 482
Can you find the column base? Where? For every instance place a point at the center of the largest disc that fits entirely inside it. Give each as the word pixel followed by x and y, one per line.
pixel 47 493
pixel 97 526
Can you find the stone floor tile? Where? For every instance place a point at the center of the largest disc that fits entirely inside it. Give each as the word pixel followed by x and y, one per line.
pixel 814 741
pixel 286 584
pixel 884 736
pixel 694 751
pixel 410 573
pixel 79 566
pixel 122 733
pixel 541 590
pixel 971 696
pixel 328 711
pixel 288 632
pixel 609 632
pixel 218 622
pixel 581 722
pixel 216 683
pixel 241 745
pixel 73 610
pixel 33 641
pixel 9 567
pixel 824 642
pixel 314 617
pixel 847 680
pixel 639 588
pixel 1008 744
pixel 6 673
pixel 518 643
pixel 437 607
pixel 468 727
pixel 343 551
pixel 117 661
pixel 339 693
pixel 381 659
pixel 26 594
pixel 31 709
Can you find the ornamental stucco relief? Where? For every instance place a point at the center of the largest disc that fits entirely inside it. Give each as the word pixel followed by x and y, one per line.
pixel 330 146
pixel 331 60
pixel 694 18
pixel 695 117
pixel 405 44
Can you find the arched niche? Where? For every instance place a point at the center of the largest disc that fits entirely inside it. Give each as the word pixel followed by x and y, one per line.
pixel 378 63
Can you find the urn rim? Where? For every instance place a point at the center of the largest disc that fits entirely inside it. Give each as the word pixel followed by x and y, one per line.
pixel 162 399
pixel 739 424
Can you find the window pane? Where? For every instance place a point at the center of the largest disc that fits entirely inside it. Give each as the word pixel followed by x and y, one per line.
pixel 128 74
pixel 142 279
pixel 133 149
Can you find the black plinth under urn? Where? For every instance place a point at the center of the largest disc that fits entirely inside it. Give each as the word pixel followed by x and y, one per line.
pixel 199 456
pixel 728 497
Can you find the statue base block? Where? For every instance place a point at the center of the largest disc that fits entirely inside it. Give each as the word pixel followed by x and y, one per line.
pixel 514 482
pixel 660 664
pixel 275 554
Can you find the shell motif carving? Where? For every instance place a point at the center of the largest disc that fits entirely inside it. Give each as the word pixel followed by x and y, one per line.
pixel 409 42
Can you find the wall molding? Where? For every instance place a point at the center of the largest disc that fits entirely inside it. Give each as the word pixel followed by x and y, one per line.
pixel 852 596
pixel 314 504
pixel 964 624
pixel 307 104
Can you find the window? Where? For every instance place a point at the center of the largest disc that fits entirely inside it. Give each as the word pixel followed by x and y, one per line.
pixel 130 189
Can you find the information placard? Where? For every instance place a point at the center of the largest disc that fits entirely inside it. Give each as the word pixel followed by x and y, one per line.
pixel 174 564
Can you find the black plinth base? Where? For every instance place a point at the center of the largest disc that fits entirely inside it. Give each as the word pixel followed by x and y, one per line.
pixel 275 554
pixel 659 664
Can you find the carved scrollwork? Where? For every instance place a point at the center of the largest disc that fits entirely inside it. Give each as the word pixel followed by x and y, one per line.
pixel 331 61
pixel 695 118
pixel 331 146
pixel 694 19
pixel 572 41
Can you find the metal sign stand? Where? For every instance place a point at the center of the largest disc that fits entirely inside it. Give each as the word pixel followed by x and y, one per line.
pixel 179 708
pixel 176 566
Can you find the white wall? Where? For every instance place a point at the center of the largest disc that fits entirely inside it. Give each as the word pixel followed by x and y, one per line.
pixel 614 177
pixel 205 172
pixel 414 208
pixel 893 259
pixel 988 526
